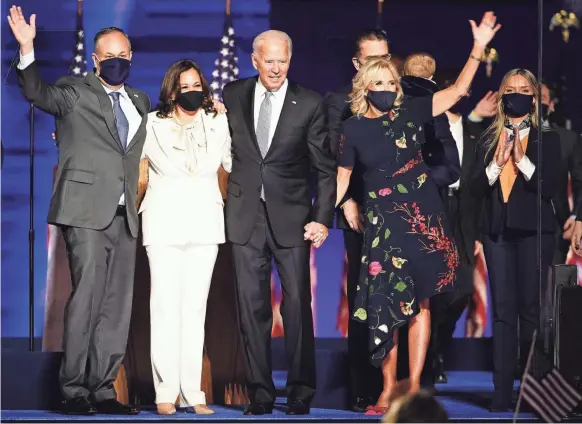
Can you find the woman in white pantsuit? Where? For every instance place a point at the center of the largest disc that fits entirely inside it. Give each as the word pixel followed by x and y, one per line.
pixel 186 143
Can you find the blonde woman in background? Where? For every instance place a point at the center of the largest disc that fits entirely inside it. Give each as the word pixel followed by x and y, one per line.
pixel 506 177
pixel 187 142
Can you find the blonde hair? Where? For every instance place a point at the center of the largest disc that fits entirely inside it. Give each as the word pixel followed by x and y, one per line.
pixel 370 71
pixel 420 65
pixel 272 35
pixel 493 133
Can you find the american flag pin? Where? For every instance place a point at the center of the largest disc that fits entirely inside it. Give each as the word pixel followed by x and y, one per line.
pixel 294 102
pixel 135 95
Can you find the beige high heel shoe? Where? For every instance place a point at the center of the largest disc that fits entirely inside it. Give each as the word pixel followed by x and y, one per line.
pixel 166 409
pixel 202 410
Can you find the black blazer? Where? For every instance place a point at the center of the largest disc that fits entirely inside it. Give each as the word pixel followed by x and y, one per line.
pixel 338 110
pixel 439 151
pixel 299 144
pixel 519 212
pixel 571 164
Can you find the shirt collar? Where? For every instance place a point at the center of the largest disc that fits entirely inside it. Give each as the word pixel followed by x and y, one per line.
pixel 260 89
pixel 120 91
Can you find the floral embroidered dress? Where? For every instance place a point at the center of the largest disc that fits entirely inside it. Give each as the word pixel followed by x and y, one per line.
pixel 408 253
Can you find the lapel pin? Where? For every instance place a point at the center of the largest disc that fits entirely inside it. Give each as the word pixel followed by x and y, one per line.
pixel 135 95
pixel 294 102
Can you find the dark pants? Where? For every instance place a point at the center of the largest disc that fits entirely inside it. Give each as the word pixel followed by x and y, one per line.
pixel 515 293
pixel 98 312
pixel 562 249
pixel 365 379
pixel 252 263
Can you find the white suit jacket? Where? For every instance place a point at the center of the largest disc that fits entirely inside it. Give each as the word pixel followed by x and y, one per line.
pixel 182 206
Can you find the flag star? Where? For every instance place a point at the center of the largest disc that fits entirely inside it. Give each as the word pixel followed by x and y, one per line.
pixel 231 43
pixel 78 58
pixel 224 75
pixel 81 34
pixel 224 63
pixel 84 74
pixel 214 85
pixel 224 39
pixel 230 31
pixel 235 71
pixel 80 46
pixel 224 52
pixel 215 73
pixel 76 70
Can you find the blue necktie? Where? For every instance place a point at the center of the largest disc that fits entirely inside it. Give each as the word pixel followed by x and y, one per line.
pixel 121 121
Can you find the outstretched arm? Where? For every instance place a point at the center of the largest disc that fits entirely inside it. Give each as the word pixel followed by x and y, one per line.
pixel 54 99
pixel 482 35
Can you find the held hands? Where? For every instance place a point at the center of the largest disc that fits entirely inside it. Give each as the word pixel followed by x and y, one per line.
pixel 315 232
pixel 576 236
pixel 504 150
pixel 23 32
pixel 486 30
pixel 353 216
pixel 569 229
pixel 517 147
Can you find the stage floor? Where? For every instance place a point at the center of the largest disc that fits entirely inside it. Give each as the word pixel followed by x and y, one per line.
pixel 465 398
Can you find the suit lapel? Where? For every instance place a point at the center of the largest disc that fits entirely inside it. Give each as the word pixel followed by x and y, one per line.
pixel 105 103
pixel 247 102
pixel 139 105
pixel 286 118
pixel 531 150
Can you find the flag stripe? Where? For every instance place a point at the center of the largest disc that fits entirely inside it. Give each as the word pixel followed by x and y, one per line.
pixel 566 390
pixel 553 392
pixel 533 393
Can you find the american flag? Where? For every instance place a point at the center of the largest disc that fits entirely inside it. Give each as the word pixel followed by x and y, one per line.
pixel 225 66
pixel 552 398
pixel 79 63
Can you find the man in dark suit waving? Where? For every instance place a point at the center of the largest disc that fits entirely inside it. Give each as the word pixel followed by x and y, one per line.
pixel 101 127
pixel 278 134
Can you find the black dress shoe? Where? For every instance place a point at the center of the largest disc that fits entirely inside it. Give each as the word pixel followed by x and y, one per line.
pixel 113 407
pixel 258 408
pixel 361 404
pixel 298 407
pixel 78 406
pixel 441 378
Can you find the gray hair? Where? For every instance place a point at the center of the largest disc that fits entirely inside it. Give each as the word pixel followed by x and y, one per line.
pixel 272 35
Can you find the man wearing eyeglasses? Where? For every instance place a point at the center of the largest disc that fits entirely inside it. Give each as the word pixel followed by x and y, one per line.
pixel 365 380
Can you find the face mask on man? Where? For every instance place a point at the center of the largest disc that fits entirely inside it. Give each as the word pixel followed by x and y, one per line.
pixel 190 100
pixel 114 71
pixel 516 105
pixel 382 100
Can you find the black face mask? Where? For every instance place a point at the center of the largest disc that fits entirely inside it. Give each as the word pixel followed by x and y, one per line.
pixel 190 100
pixel 545 112
pixel 114 71
pixel 517 105
pixel 382 100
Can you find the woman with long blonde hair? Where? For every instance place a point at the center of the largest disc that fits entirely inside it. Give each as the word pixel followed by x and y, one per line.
pixel 506 177
pixel 408 252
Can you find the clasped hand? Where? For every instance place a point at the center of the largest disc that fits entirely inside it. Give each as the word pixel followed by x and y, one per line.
pixel 506 148
pixel 316 233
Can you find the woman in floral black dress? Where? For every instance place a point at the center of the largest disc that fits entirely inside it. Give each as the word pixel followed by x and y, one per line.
pixel 408 252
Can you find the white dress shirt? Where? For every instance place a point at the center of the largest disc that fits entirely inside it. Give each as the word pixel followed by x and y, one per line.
pixel 127 106
pixel 525 165
pixel 457 133
pixel 276 105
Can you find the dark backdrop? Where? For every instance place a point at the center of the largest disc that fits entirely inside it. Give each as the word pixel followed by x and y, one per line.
pixel 323 33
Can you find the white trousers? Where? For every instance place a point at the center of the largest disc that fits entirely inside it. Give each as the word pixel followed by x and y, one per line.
pixel 180 281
